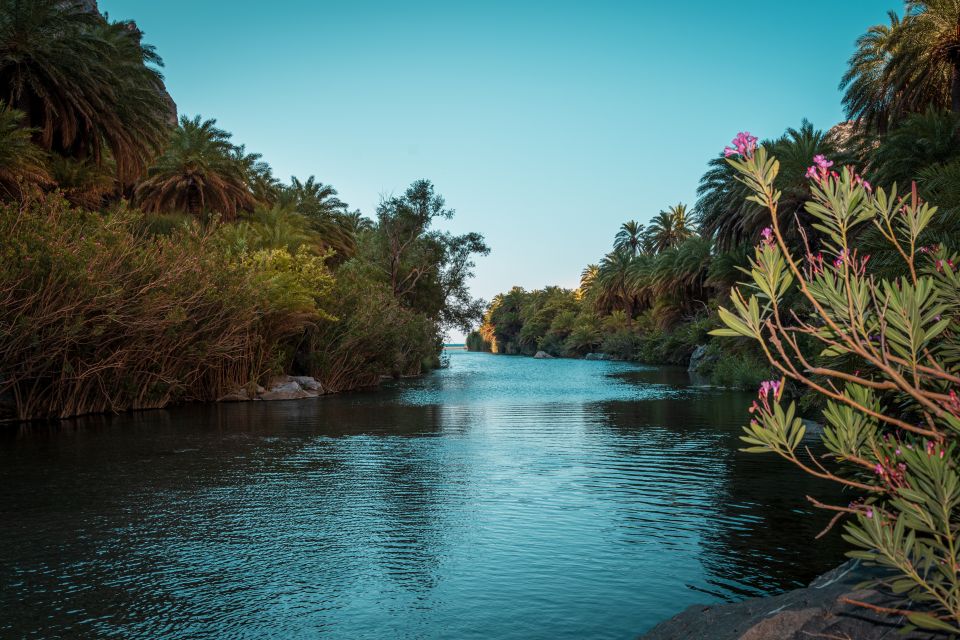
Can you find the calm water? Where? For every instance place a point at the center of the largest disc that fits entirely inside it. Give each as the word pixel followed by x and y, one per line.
pixel 500 498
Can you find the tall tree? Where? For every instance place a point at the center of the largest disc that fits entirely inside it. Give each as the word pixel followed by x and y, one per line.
pixel 906 66
pixel 630 238
pixel 927 57
pixel 669 228
pixel 88 87
pixel 199 173
pixel 427 269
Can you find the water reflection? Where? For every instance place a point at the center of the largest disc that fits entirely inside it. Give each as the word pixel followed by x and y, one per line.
pixel 504 497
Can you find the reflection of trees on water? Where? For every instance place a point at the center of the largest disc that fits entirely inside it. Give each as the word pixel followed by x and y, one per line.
pixel 749 511
pixel 213 508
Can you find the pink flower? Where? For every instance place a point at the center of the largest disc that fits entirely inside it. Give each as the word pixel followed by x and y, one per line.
pixel 767 235
pixel 820 170
pixel 744 145
pixel 878 469
pixel 768 386
pixel 869 512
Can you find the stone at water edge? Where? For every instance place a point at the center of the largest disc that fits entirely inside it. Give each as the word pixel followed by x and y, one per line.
pixel 543 355
pixel 802 614
pixel 308 383
pixel 281 388
pixel 700 357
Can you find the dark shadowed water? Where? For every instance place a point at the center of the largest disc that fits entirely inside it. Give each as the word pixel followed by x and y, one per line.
pixel 500 498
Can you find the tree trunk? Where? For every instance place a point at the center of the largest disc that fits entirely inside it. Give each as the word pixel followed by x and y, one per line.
pixel 955 87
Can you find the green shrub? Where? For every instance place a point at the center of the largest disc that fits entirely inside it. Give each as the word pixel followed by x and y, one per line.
pixel 100 315
pixel 888 365
pixel 373 334
pixel 476 342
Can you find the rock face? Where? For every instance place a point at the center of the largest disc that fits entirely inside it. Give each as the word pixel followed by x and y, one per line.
pixel 543 355
pixel 813 612
pixel 282 388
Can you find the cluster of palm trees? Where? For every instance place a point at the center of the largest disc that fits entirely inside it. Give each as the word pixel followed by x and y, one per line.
pixel 664 266
pixel 906 66
pixel 83 110
pixel 903 103
pixel 86 88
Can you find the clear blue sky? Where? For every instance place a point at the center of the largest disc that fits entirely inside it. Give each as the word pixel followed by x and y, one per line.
pixel 544 124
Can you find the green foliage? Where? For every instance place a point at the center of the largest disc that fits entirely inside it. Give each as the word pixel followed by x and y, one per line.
pixel 98 316
pixel 725 210
pixel 893 421
pixel 88 86
pixel 905 67
pixel 22 164
pixel 476 342
pixel 201 172
pixel 427 269
pixel 374 334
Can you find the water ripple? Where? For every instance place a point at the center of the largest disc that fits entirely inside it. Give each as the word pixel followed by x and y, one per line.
pixel 503 497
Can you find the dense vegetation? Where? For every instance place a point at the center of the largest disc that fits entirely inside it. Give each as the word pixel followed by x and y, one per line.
pixel 884 352
pixel 653 297
pixel 145 260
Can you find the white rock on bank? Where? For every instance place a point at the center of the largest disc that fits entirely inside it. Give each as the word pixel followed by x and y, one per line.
pixel 281 388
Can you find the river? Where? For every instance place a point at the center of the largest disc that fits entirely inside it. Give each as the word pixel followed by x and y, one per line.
pixel 502 497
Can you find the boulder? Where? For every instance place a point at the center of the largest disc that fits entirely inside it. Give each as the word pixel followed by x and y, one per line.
pixel 817 611
pixel 308 383
pixel 288 388
pixel 543 355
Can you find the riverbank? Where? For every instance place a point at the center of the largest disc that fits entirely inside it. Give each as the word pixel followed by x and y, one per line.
pixel 820 610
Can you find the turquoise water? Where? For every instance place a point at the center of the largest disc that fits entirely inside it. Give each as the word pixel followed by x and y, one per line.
pixel 500 498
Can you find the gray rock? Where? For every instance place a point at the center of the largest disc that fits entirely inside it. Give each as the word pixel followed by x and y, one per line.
pixel 597 356
pixel 812 612
pixel 287 388
pixel 543 355
pixel 700 358
pixel 308 383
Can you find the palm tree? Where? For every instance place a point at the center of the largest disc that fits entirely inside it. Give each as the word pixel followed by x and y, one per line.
pixel 906 67
pixel 89 88
pixel 630 238
pixel 612 283
pixel 259 176
pixel 926 60
pixel 923 140
pixel 311 198
pixel 869 96
pixel 730 219
pixel 327 214
pixel 21 162
pixel 669 228
pixel 198 174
